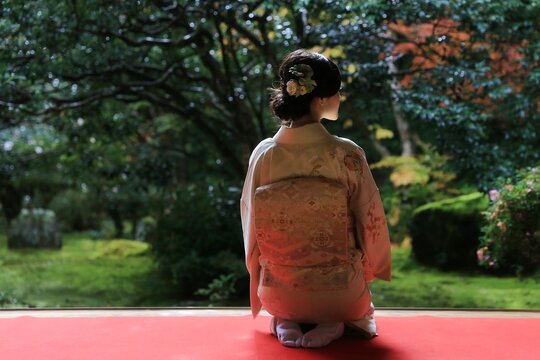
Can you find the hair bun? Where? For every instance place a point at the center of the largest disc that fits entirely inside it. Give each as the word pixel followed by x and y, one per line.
pixel 303 76
pixel 278 104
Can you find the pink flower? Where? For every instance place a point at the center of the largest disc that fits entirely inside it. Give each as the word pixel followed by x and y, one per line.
pixel 480 254
pixel 494 195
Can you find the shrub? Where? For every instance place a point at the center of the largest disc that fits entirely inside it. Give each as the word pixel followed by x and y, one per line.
pixel 446 233
pixel 75 210
pixel 511 235
pixel 415 181
pixel 8 300
pixel 197 241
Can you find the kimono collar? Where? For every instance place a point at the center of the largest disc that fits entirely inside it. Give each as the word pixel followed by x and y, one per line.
pixel 312 132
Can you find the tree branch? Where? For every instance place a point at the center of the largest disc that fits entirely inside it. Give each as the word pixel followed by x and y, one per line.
pixel 146 41
pixel 202 125
pixel 71 103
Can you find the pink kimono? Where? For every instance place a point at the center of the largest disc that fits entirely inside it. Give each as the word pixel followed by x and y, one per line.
pixel 310 151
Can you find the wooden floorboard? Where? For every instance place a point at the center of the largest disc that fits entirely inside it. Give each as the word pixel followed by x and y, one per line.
pixel 104 312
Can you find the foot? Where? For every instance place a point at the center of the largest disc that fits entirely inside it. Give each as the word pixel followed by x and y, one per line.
pixel 288 332
pixel 322 335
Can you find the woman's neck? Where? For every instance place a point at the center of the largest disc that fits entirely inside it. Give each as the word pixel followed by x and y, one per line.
pixel 304 120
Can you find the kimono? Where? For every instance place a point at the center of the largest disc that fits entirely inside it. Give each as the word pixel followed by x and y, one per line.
pixel 310 150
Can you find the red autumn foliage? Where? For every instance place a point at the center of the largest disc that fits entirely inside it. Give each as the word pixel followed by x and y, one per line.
pixel 505 58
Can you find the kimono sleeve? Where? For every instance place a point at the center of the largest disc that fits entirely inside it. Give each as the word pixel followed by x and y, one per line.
pixel 251 248
pixel 369 217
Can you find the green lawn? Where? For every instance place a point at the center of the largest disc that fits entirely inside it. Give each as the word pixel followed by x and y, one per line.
pixel 84 272
pixel 414 285
pixel 104 273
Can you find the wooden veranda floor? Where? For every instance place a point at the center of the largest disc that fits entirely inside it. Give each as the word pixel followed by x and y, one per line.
pixel 242 311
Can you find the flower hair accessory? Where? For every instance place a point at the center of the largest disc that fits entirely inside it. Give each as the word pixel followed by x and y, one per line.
pixel 305 84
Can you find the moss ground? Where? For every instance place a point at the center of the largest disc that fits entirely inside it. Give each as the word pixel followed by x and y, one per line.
pixel 120 273
pixel 84 272
pixel 415 285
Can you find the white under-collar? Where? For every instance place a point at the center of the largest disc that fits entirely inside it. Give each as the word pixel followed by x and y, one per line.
pixel 309 133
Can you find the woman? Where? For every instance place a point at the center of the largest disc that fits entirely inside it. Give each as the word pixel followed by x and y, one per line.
pixel 309 92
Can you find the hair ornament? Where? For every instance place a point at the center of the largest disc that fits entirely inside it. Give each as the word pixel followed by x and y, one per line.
pixel 305 84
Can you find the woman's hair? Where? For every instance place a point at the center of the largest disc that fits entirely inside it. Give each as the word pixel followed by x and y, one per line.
pixel 326 74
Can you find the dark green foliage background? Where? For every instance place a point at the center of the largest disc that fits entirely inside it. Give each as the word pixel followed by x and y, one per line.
pixel 446 233
pixel 197 240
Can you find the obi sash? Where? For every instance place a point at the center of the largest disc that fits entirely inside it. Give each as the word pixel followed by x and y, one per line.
pixel 303 230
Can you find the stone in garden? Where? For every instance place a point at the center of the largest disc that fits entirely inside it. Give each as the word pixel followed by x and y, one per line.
pixel 144 228
pixel 35 228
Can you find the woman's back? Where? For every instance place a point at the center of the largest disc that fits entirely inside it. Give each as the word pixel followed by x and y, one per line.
pixel 309 151
pixel 309 91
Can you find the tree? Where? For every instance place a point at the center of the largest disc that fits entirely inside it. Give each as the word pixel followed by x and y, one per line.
pixel 28 173
pixel 206 62
pixel 463 74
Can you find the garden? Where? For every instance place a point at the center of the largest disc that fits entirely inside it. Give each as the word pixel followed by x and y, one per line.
pixel 126 130
pixel 122 273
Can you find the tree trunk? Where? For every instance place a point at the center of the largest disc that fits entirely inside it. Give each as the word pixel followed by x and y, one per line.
pixel 116 217
pixel 134 228
pixel 401 123
pixel 11 199
pixel 353 114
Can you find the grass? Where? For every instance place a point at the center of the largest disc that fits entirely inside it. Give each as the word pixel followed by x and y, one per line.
pixel 121 273
pixel 83 273
pixel 415 285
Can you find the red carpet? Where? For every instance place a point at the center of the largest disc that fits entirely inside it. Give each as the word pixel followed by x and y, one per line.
pixel 240 337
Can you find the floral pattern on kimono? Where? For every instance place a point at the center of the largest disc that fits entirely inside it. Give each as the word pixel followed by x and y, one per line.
pixel 311 151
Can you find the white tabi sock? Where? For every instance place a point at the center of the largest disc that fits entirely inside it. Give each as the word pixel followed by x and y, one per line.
pixel 322 335
pixel 287 332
